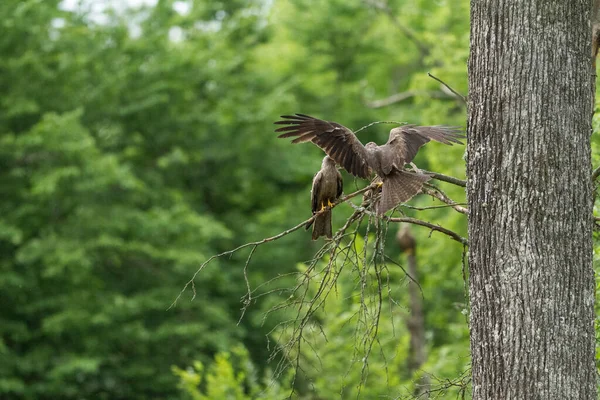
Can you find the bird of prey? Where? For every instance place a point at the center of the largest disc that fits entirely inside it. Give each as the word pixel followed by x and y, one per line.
pixel 327 187
pixel 386 160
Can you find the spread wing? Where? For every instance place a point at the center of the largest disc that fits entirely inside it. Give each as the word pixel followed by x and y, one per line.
pixel 336 140
pixel 405 141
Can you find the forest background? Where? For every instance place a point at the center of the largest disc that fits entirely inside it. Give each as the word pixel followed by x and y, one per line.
pixel 137 140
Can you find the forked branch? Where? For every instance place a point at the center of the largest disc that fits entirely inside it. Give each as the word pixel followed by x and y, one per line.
pixel 357 215
pixel 368 263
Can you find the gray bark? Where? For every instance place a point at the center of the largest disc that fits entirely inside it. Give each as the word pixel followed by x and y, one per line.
pixel 530 200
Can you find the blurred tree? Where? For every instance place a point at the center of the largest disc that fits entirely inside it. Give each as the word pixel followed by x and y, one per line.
pixel 102 222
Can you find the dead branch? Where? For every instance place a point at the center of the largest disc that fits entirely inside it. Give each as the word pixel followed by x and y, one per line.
pixel 595 174
pixel 461 383
pixel 432 207
pixel 379 122
pixel 437 193
pixel 258 243
pixel 316 283
pixel 458 95
pixel 431 226
pixel 446 178
pixel 440 195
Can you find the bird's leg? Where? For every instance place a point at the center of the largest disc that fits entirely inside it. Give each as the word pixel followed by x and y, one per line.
pixel 329 203
pixel 414 167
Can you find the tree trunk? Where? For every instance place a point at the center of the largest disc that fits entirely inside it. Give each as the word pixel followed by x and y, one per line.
pixel 530 200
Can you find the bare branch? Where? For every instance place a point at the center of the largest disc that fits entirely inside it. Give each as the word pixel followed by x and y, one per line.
pixel 390 259
pixel 263 241
pixel 379 122
pixel 440 195
pixel 433 207
pixel 249 289
pixel 319 280
pixel 461 383
pixel 446 178
pixel 595 174
pixel 431 226
pixel 458 95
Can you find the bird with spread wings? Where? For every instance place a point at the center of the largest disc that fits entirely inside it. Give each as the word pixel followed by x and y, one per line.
pixel 388 160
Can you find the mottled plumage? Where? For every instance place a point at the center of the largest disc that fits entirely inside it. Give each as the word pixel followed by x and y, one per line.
pixel 327 187
pixel 386 160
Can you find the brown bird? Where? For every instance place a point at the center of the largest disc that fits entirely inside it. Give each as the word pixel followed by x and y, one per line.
pixel 386 160
pixel 327 187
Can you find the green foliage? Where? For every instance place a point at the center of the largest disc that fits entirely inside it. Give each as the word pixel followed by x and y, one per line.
pixel 231 376
pixel 135 144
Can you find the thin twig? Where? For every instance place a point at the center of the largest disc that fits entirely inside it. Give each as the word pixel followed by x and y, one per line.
pixel 405 273
pixel 380 122
pixel 460 96
pixel 595 174
pixel 433 207
pixel 431 226
pixel 462 383
pixel 446 178
pixel 443 197
pixel 265 240
pixel 318 282
pixel 249 297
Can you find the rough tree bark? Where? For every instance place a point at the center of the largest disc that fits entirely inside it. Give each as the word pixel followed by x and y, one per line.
pixel 530 200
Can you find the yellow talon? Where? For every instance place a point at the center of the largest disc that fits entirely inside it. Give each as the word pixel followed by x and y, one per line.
pixel 329 203
pixel 379 184
pixel 323 206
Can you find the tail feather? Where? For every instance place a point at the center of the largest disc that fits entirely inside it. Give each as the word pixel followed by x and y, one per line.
pixel 399 187
pixel 322 226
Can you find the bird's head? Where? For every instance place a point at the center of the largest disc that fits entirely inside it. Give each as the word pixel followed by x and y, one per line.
pixel 396 130
pixel 401 130
pixel 327 162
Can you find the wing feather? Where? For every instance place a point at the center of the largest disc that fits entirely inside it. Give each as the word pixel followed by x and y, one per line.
pixel 405 141
pixel 336 140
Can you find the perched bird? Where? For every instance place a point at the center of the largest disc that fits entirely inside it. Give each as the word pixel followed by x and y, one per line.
pixel 386 160
pixel 327 187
